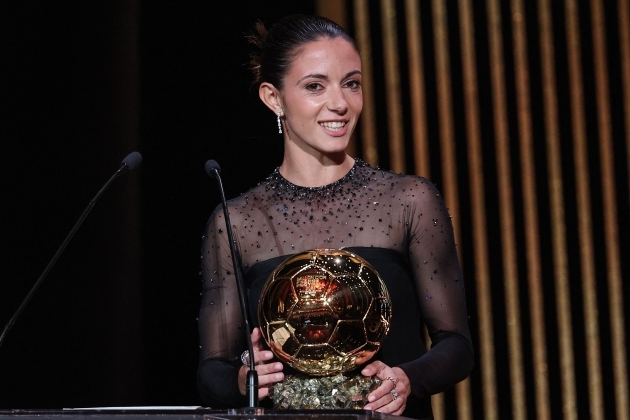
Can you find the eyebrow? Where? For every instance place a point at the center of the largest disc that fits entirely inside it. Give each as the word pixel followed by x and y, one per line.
pixel 323 76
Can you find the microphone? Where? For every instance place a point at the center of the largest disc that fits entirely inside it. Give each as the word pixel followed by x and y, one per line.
pixel 129 163
pixel 213 169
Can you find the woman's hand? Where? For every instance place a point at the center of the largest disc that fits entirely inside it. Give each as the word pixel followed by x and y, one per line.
pixel 268 373
pixel 391 395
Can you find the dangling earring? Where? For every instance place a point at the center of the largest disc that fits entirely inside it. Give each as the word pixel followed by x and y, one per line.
pixel 279 123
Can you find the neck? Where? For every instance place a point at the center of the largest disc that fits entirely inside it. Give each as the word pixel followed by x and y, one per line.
pixel 311 171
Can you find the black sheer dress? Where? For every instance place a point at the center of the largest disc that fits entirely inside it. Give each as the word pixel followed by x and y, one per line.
pixel 398 223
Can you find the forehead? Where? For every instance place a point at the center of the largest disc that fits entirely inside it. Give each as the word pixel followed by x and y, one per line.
pixel 324 56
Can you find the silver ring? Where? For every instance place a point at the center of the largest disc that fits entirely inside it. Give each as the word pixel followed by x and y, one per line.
pixel 394 381
pixel 394 394
pixel 245 357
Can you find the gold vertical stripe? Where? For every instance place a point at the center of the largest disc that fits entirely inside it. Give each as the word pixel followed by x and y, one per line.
pixel 607 164
pixel 392 86
pixel 624 46
pixel 445 117
pixel 368 117
pixel 506 220
pixel 624 41
pixel 558 224
pixel 416 86
pixel 335 10
pixel 445 112
pixel 478 206
pixel 585 230
pixel 530 208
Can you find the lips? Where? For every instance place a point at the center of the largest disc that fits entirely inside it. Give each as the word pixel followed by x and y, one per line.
pixel 333 125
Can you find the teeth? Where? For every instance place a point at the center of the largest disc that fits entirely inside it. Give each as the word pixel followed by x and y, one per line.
pixel 333 126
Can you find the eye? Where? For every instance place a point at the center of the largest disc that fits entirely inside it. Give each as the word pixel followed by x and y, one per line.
pixel 314 87
pixel 354 85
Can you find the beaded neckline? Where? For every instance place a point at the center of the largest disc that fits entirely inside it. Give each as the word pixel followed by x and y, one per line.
pixel 281 187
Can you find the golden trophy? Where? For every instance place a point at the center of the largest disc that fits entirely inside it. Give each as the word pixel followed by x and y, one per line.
pixel 324 312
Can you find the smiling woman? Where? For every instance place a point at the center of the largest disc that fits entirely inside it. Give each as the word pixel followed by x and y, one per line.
pixel 320 104
pixel 309 75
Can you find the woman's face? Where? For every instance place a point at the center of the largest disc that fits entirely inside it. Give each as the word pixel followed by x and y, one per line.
pixel 322 97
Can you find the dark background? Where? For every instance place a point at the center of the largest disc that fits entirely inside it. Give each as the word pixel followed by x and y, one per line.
pixel 82 84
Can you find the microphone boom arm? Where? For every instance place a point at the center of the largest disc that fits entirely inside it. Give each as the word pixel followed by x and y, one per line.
pixel 251 386
pixel 128 164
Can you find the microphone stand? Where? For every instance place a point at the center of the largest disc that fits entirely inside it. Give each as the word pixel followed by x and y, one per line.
pixel 251 387
pixel 129 163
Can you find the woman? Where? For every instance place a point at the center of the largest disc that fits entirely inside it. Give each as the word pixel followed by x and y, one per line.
pixel 309 74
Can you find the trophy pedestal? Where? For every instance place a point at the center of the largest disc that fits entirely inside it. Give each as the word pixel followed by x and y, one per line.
pixel 329 392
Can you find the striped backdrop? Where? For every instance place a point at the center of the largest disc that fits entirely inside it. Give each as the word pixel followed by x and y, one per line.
pixel 519 111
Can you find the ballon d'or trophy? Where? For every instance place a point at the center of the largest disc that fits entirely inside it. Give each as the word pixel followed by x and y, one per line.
pixel 324 312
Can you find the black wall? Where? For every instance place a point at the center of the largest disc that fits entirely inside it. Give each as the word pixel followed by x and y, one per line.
pixel 82 84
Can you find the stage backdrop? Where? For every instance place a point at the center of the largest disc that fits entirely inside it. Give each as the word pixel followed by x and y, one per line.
pixel 518 110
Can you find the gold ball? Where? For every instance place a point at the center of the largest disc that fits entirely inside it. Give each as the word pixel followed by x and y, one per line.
pixel 324 311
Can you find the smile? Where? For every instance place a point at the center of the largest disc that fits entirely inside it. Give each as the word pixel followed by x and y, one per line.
pixel 334 125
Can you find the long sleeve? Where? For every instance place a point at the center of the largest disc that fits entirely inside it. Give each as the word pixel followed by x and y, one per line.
pixel 221 336
pixel 441 295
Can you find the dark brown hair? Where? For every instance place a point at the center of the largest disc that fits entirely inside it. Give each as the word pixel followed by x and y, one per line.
pixel 279 46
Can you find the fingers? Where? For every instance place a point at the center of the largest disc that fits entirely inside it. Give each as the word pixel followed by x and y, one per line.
pixel 268 374
pixel 256 339
pixel 385 399
pixel 263 392
pixel 374 368
pixel 270 370
pixel 391 395
pixel 388 404
pixel 377 368
pixel 260 355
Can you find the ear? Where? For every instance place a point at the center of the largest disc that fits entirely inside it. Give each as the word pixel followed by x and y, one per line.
pixel 270 96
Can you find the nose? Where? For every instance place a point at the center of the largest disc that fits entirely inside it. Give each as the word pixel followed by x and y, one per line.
pixel 337 101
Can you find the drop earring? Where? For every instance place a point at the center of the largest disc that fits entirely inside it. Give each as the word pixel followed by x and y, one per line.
pixel 279 123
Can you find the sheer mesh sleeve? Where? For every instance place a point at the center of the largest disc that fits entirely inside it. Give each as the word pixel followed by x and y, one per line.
pixel 441 295
pixel 221 336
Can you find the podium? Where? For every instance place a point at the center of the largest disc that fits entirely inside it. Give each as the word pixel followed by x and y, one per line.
pixel 200 413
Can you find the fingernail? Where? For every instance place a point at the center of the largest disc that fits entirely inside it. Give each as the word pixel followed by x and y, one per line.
pixel 371 398
pixel 279 376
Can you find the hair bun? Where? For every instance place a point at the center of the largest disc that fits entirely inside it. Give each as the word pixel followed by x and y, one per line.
pixel 257 39
pixel 276 46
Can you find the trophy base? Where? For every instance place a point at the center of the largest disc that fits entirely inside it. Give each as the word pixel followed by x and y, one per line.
pixel 329 392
